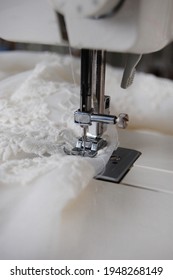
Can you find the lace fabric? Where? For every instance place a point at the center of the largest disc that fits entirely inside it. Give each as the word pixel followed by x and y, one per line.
pixel 37 179
pixel 37 121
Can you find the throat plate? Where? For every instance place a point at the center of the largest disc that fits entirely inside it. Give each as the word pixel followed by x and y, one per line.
pixel 118 165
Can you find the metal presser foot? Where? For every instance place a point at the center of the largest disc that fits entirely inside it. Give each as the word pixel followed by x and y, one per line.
pixel 88 145
pixel 87 148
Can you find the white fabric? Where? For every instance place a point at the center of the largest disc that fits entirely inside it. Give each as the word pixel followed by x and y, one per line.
pixel 37 179
pixel 36 176
pixel 37 120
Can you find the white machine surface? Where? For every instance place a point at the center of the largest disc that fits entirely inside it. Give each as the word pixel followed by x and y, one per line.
pixel 139 26
pixel 129 220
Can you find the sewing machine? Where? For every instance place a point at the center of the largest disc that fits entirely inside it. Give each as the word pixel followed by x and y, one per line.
pixel 95 27
pixel 134 27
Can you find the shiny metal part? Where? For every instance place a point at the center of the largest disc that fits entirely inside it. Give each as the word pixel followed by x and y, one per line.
pixel 94 113
pixel 93 103
pixel 92 97
pixel 118 165
pixel 122 120
pixel 84 118
pixel 88 147
pixel 84 138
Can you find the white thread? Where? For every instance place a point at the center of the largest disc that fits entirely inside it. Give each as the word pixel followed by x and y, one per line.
pixel 71 65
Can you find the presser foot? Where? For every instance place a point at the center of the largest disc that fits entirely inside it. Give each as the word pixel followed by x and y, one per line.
pixel 87 148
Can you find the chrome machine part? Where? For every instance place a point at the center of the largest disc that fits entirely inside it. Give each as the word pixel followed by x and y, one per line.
pixel 92 99
pixel 118 165
pixel 86 119
pixel 93 104
pixel 93 115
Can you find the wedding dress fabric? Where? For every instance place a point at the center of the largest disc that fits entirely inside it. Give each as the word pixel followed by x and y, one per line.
pixel 38 96
pixel 37 177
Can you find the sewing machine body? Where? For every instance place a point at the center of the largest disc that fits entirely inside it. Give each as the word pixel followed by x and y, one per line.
pixel 137 26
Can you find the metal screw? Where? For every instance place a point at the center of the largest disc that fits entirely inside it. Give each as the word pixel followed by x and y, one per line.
pixel 115 158
pixel 122 120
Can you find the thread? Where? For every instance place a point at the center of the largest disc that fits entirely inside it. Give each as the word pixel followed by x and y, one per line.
pixel 72 67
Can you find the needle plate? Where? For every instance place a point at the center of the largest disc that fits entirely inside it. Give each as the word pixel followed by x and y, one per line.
pixel 118 165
